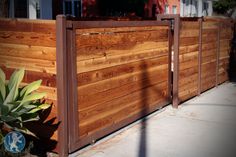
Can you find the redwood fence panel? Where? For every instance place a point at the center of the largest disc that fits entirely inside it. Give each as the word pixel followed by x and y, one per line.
pixel 226 36
pixel 210 30
pixel 103 75
pixel 122 75
pixel 188 59
pixel 31 44
pixel 204 54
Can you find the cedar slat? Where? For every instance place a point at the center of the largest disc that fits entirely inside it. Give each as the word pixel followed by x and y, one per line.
pixel 129 104
pixel 115 71
pixel 30 44
pixel 119 92
pixel 106 52
pixel 187 41
pixel 122 80
pixel 28 38
pixel 119 69
pixel 36 52
pixel 106 62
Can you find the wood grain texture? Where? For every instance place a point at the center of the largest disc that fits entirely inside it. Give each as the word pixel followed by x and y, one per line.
pixel 209 54
pixel 111 112
pixel 121 72
pixel 30 44
pixel 25 25
pixel 28 38
pixel 188 59
pixel 226 35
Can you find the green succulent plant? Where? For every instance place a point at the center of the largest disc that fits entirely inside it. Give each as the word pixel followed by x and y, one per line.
pixel 19 105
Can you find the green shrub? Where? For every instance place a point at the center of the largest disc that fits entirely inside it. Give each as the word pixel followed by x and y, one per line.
pixel 19 104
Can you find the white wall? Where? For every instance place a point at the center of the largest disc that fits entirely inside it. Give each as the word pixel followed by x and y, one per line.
pixel 32 9
pixel 200 5
pixel 210 9
pixel 181 8
pixel 189 9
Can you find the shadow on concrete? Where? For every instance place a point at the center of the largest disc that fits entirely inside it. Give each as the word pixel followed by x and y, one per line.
pixel 145 104
pixel 143 130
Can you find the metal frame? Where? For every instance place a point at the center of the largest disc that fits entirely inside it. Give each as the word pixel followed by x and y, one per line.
pixel 170 36
pixel 72 89
pixel 176 18
pixel 67 74
pixel 73 140
pixel 200 58
pixel 115 24
pixel 67 80
pixel 62 86
pixel 218 54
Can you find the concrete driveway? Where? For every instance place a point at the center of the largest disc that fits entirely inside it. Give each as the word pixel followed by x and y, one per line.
pixel 202 127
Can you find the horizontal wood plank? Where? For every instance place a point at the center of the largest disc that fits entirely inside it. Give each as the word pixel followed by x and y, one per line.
pixel 28 38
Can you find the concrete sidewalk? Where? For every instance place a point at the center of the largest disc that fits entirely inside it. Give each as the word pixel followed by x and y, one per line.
pixel 202 127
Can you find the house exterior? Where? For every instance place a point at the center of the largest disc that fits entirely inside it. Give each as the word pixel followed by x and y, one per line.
pixel 32 9
pixel 48 9
pixel 91 8
pixel 196 8
pixel 164 7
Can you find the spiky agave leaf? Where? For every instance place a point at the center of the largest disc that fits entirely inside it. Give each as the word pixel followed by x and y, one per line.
pixel 21 105
pixel 13 86
pixel 2 86
pixel 30 88
pixel 2 76
pixel 30 98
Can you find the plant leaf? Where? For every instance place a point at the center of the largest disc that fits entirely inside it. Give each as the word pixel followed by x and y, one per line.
pixel 1 138
pixel 8 118
pixel 13 85
pixel 30 88
pixel 25 131
pixel 2 89
pixel 4 109
pixel 15 81
pixel 30 117
pixel 41 107
pixel 1 102
pixel 7 106
pixel 29 98
pixel 29 106
pixel 2 76
pixel 33 97
pixel 11 82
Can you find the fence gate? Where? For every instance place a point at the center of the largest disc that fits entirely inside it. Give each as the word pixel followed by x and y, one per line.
pixel 117 72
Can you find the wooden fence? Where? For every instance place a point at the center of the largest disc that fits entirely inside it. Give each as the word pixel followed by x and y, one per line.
pixel 103 75
pixel 32 45
pixel 123 73
pixel 204 55
pixel 188 59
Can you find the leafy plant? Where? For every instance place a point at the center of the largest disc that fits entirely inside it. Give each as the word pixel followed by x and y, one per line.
pixel 19 105
pixel 226 7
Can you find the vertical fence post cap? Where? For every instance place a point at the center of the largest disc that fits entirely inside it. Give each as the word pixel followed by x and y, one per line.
pixel 60 16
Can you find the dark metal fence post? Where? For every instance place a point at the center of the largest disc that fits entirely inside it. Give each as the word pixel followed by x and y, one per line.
pixel 72 87
pixel 62 102
pixel 170 36
pixel 200 58
pixel 176 63
pixel 218 54
pixel 176 18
